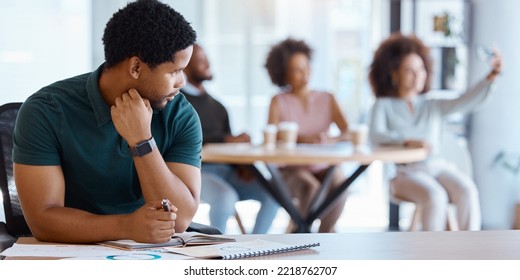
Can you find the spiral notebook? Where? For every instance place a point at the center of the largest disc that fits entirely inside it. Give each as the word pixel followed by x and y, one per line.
pixel 238 250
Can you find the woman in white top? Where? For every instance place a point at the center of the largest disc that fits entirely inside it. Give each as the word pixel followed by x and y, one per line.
pixel 400 75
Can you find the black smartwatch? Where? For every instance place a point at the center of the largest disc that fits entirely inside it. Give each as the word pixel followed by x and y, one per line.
pixel 143 148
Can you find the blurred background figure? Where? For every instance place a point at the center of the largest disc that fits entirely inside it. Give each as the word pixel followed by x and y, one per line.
pixel 288 66
pixel 222 184
pixel 400 76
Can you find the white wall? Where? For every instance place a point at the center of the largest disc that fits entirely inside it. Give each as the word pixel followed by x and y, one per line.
pixel 38 42
pixel 102 11
pixel 43 41
pixel 494 127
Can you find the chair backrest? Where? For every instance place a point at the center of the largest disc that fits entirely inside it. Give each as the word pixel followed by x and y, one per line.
pixel 15 221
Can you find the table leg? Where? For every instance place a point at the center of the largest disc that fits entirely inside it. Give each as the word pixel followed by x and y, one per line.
pixel 393 218
pixel 331 198
pixel 279 190
pixel 322 192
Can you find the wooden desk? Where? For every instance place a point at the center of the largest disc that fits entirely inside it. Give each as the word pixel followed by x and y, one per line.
pixel 244 153
pixel 330 154
pixel 460 245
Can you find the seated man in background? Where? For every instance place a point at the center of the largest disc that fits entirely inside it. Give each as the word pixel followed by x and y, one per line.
pixel 223 184
pixel 95 154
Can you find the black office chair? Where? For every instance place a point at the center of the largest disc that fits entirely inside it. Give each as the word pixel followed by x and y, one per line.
pixel 15 225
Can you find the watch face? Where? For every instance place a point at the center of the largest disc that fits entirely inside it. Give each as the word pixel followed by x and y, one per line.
pixel 144 148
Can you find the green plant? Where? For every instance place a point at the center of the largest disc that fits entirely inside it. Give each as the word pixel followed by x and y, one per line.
pixel 449 19
pixel 509 161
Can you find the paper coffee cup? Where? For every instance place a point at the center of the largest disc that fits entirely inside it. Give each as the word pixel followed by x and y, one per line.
pixel 359 135
pixel 270 136
pixel 287 134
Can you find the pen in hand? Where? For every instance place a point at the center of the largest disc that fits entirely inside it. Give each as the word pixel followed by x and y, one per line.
pixel 166 205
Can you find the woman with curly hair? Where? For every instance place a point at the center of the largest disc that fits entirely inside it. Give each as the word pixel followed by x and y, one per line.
pixel 400 76
pixel 288 65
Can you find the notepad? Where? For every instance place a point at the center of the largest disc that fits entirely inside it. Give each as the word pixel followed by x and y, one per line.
pixel 238 250
pixel 178 240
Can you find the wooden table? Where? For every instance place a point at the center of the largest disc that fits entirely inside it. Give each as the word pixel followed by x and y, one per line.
pixel 460 245
pixel 303 154
pixel 439 245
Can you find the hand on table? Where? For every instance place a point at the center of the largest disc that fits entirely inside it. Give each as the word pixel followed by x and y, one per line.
pixel 241 138
pixel 413 143
pixel 151 224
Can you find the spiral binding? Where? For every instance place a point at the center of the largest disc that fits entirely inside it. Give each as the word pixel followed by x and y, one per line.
pixel 270 252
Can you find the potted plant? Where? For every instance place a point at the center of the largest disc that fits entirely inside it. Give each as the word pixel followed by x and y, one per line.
pixel 510 162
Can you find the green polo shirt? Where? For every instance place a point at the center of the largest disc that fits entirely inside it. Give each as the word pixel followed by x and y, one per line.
pixel 69 124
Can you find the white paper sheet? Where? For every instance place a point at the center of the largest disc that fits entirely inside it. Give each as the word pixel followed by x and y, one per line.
pixel 85 252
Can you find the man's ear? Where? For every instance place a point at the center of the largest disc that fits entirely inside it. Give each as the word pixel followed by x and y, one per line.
pixel 135 67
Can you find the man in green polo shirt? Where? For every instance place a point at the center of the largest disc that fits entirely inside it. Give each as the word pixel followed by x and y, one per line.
pixel 96 154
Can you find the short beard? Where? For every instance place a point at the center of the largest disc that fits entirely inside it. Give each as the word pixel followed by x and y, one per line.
pixel 157 106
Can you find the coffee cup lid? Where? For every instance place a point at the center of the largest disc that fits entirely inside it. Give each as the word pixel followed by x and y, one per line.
pixel 270 128
pixel 359 127
pixel 288 126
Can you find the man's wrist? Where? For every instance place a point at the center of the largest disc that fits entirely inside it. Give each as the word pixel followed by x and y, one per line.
pixel 124 226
